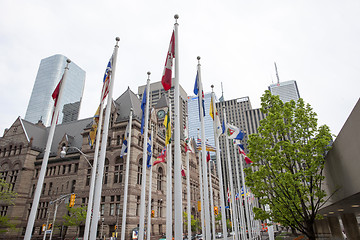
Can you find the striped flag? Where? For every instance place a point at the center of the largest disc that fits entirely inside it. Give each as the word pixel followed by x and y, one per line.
pixel 167 124
pixel 106 81
pixel 167 73
pixel 161 157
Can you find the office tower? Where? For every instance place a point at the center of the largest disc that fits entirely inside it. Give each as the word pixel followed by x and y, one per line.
pixel 71 112
pixel 287 90
pixel 50 71
pixel 194 120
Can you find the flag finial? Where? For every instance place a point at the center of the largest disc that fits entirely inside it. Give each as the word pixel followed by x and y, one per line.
pixel 68 62
pixel 117 39
pixel 176 17
pixel 212 87
pixel 198 58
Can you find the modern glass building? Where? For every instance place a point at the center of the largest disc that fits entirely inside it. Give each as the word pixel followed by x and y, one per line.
pixel 194 119
pixel 285 90
pixel 49 74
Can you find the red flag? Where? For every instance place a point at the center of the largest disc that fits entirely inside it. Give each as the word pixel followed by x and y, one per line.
pixel 166 78
pixel 183 171
pixel 55 96
pixel 161 157
pixel 247 160
pixel 208 157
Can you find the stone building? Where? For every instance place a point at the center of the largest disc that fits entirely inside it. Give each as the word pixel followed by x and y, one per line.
pixel 21 151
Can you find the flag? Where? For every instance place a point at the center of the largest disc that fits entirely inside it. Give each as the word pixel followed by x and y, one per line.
pixel 228 195
pixel 223 127
pixel 237 196
pixel 215 116
pixel 183 171
pixel 233 132
pixel 161 157
pixel 207 145
pixel 208 157
pixel 106 81
pixel 167 73
pixel 94 126
pixel 143 107
pixel 167 124
pixel 149 154
pixel 196 91
pixel 55 96
pixel 124 147
pixel 241 151
pixel 188 146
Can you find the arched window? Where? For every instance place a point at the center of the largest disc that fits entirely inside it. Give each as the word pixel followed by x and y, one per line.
pixel 159 178
pixel 15 148
pixel 139 174
pixel 10 150
pixel 118 140
pixel 118 173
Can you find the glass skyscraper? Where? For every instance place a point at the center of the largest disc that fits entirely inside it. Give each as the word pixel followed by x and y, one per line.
pixel 287 90
pixel 49 74
pixel 194 120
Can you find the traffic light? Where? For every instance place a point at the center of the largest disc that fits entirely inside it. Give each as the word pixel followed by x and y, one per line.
pixel 115 227
pixel 152 213
pixel 43 227
pixel 50 226
pixel 216 211
pixel 72 200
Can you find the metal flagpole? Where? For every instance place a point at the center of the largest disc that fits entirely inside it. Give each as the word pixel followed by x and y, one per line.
pixel 219 168
pixel 206 184
pixel 201 197
pixel 212 209
pixel 39 185
pixel 169 204
pixel 242 215
pixel 148 232
pixel 246 202
pixel 178 226
pixel 143 177
pixel 89 211
pixel 187 141
pixel 101 161
pixel 234 212
pixel 126 184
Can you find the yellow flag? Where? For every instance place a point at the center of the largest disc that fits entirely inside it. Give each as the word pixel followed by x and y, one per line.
pixel 212 109
pixel 167 124
pixel 94 126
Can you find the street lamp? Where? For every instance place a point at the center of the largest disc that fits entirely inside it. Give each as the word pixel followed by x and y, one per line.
pixel 63 153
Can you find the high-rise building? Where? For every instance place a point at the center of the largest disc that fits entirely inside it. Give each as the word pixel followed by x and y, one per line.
pixel 49 74
pixel 287 90
pixel 194 121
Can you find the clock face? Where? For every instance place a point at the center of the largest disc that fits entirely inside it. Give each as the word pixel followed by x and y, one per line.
pixel 161 114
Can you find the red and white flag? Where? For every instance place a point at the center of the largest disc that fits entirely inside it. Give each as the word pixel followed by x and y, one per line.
pixel 247 160
pixel 55 96
pixel 167 74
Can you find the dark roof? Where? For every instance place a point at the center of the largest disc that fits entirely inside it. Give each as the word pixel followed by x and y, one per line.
pixel 126 101
pixel 163 102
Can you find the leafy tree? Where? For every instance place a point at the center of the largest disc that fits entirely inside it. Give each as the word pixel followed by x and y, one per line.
pixel 288 155
pixel 7 197
pixel 195 224
pixel 76 217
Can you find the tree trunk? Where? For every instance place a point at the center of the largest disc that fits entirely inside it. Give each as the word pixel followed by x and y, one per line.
pixel 310 233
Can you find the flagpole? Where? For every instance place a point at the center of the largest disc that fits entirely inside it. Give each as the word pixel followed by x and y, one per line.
pixel 143 177
pixel 206 184
pixel 39 185
pixel 101 161
pixel 177 148
pixel 242 216
pixel 89 211
pixel 234 210
pixel 219 168
pixel 169 204
pixel 201 197
pixel 126 184
pixel 211 202
pixel 148 233
pixel 246 203
pixel 188 182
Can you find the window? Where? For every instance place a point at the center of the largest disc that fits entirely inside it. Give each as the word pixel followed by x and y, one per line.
pixel 112 209
pixel 76 167
pixel 118 140
pixel 119 166
pixel 88 176
pixel 73 183
pixel 139 174
pixel 137 205
pixel 102 209
pixel 50 187
pixel 106 171
pixel 69 168
pixel 159 178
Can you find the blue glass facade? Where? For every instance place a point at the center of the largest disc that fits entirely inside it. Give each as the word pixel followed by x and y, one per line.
pixel 194 121
pixel 49 74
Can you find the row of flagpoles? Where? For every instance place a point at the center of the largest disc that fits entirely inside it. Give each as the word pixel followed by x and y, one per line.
pixel 207 204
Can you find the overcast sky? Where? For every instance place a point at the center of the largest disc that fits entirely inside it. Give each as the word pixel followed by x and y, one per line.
pixel 316 43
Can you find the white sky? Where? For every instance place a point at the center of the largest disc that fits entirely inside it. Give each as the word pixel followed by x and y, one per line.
pixel 316 43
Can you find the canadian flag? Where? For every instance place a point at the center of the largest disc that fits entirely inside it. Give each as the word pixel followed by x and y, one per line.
pixel 247 160
pixel 167 74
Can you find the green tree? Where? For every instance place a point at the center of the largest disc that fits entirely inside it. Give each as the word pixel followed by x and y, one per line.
pixel 195 224
pixel 288 155
pixel 76 217
pixel 7 197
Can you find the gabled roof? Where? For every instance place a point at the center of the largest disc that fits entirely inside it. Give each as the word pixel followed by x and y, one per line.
pixel 163 102
pixel 126 101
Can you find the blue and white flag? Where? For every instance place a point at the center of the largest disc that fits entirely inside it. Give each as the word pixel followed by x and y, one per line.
pixel 149 154
pixel 233 132
pixel 124 147
pixel 196 91
pixel 143 108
